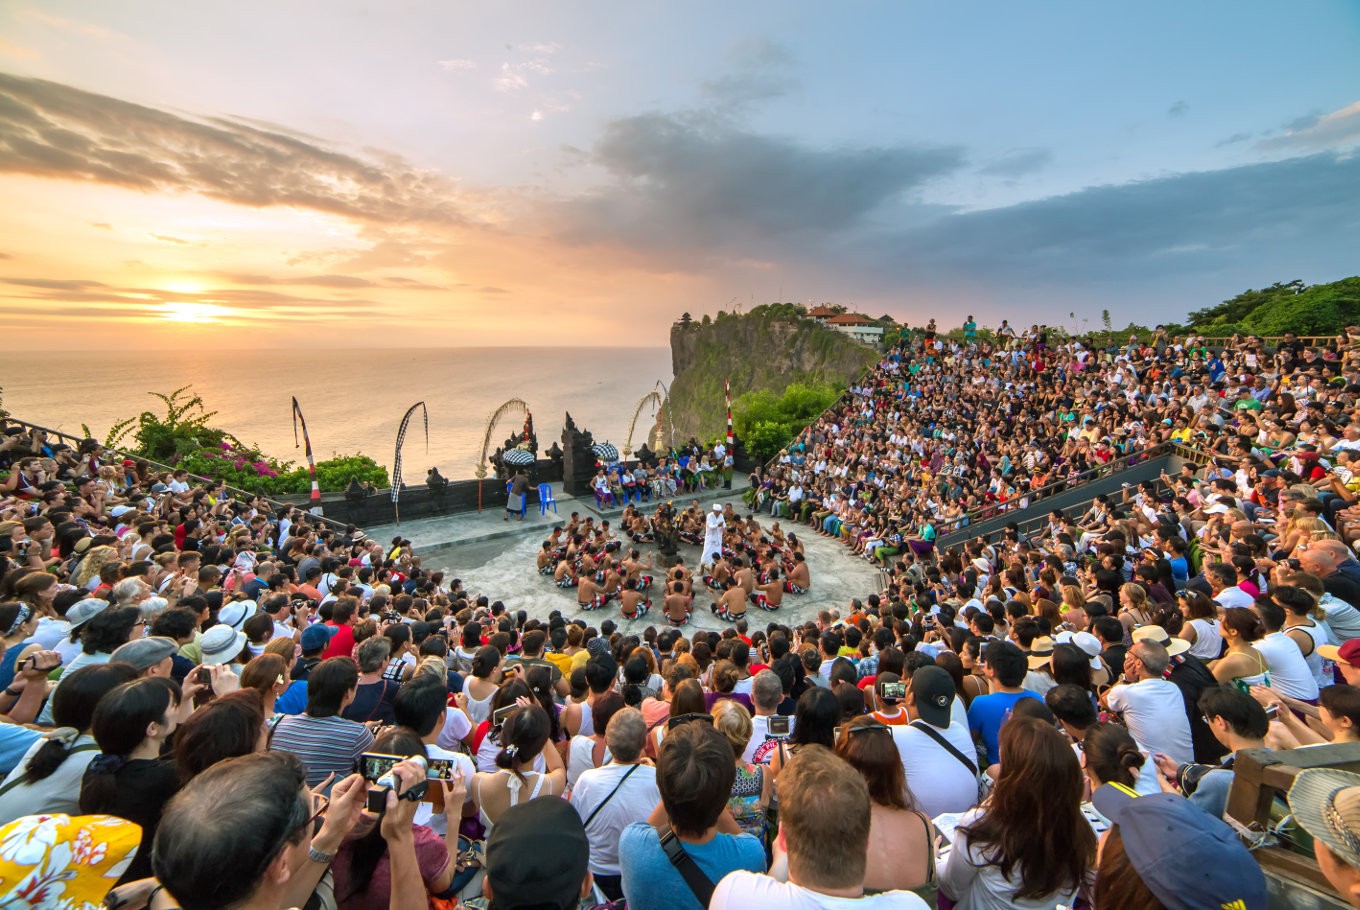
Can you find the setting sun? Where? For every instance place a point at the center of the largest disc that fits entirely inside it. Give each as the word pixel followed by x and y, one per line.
pixel 181 311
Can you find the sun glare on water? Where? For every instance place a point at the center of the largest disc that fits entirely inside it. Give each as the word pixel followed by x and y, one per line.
pixel 182 311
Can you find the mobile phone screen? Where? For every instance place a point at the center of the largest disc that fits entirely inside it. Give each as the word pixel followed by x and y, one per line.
pixel 373 765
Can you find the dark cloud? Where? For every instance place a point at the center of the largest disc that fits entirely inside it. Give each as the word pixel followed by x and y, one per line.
pixel 690 181
pixel 488 289
pixel 324 281
pixel 5 256
pixel 1234 139
pixel 1018 163
pixel 53 130
pixel 1338 130
pixel 1296 216
pixel 410 284
pixel 1179 109
pixel 166 238
pixel 102 225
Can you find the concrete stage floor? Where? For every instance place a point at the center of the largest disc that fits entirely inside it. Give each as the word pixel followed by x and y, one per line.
pixel 496 558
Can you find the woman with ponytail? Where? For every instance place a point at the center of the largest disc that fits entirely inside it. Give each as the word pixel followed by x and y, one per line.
pixel 1109 755
pixel 128 778
pixel 47 779
pixel 518 776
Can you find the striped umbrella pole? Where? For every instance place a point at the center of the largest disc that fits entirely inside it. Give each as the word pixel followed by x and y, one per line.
pixel 307 442
pixel 727 392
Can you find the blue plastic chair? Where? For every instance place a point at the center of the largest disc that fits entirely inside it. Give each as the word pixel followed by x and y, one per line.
pixel 546 499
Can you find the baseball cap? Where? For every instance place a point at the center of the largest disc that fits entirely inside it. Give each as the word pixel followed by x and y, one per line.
pixel 1187 858
pixel 144 653
pixel 550 831
pixel 221 644
pixel 82 611
pixel 315 638
pixel 933 689
pixel 1090 645
pixel 1173 646
pixel 1326 803
pixel 1347 653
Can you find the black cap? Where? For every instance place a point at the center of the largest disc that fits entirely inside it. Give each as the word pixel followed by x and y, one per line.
pixel 537 856
pixel 933 689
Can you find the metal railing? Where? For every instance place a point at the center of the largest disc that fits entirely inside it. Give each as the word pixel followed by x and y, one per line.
pixel 236 492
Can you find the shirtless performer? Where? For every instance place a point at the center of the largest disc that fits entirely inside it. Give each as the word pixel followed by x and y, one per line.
pixel 632 601
pixel 744 576
pixel 634 568
pixel 678 605
pixel 770 595
pixel 799 580
pixel 589 592
pixel 732 605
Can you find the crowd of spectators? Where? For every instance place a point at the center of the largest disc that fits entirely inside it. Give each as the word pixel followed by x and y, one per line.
pixel 215 703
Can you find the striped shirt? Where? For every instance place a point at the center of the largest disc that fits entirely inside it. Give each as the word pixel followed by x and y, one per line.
pixel 325 745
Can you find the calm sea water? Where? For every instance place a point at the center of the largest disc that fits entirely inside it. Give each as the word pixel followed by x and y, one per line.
pixel 353 400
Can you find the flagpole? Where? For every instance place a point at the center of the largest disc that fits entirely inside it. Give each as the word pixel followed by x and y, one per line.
pixel 311 460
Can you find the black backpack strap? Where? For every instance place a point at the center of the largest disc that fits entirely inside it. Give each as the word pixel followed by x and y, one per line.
pixel 606 800
pixel 934 734
pixel 689 870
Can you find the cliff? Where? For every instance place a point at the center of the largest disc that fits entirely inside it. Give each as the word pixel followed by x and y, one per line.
pixel 765 349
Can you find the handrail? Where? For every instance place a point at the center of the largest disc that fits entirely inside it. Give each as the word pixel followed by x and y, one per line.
pixel 236 492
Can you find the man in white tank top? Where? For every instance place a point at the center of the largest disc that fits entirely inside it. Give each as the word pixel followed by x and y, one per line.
pixel 1290 674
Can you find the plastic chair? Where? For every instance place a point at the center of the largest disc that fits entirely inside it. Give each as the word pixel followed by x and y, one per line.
pixel 546 499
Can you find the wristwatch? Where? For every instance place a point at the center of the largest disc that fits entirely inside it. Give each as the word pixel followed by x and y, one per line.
pixel 317 856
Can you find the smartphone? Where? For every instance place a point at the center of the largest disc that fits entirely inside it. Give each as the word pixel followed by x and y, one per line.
pixel 777 725
pixel 203 677
pixel 944 838
pixel 373 765
pixel 1272 712
pixel 893 690
pixel 499 716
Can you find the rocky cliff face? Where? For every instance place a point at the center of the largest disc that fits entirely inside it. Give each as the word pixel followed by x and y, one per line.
pixel 753 351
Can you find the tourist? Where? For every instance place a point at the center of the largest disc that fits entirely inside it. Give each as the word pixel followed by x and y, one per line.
pixel 592 751
pixel 1325 802
pixel 1150 705
pixel 1005 666
pixel 824 821
pixel 527 766
pixel 694 778
pixel 1029 842
pixel 900 854
pixel 1161 851
pixel 938 757
pixel 612 797
pixel 326 743
pixel 751 787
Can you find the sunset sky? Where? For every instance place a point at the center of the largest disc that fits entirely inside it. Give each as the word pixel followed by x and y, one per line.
pixel 381 174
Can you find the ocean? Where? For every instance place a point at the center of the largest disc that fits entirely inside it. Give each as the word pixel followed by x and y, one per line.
pixel 353 400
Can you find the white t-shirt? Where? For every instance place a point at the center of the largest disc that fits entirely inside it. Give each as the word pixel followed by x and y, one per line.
pixel 632 802
pixel 938 781
pixel 425 814
pixel 744 890
pixel 1154 712
pixel 581 758
pixel 1234 598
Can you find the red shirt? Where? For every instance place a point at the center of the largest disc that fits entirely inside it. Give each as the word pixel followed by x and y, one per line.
pixel 342 642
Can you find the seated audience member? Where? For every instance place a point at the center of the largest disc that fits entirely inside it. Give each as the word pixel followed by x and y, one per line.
pixel 1161 851
pixel 324 741
pixel 612 797
pixel 1029 844
pixel 824 819
pixel 694 776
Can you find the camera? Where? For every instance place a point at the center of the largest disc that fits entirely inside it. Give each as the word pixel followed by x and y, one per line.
pixel 777 725
pixel 386 780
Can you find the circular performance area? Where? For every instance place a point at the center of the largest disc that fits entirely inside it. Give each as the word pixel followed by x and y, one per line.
pixel 506 569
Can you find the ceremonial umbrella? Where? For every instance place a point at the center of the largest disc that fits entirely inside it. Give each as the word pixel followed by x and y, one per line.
pixel 606 451
pixel 518 457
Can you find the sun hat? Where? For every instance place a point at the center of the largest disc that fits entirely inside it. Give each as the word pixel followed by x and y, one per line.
pixel 550 831
pixel 64 860
pixel 82 611
pixel 1187 858
pixel 120 511
pixel 933 689
pixel 1347 653
pixel 83 544
pixel 221 644
pixel 236 613
pixel 1326 803
pixel 144 653
pixel 1040 652
pixel 1173 646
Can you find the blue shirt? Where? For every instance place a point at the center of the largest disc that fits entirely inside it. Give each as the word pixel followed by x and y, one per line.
pixel 294 699
pixel 651 882
pixel 986 715
pixel 15 741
